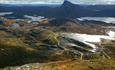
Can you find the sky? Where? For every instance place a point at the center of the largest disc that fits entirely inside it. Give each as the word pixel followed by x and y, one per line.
pixel 56 1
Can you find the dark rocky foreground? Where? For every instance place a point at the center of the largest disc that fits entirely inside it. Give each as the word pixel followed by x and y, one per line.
pixel 104 64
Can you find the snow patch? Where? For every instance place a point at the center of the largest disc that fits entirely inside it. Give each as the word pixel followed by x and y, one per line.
pixel 5 13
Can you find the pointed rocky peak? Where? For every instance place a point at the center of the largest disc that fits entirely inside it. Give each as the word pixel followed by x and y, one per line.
pixel 67 3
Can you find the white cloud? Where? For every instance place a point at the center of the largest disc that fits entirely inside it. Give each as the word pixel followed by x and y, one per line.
pixel 57 1
pixel 94 1
pixel 30 1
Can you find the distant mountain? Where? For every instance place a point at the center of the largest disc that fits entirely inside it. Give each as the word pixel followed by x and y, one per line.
pixel 66 10
pixel 66 4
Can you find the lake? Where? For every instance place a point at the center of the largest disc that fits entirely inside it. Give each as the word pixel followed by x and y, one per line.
pixel 104 19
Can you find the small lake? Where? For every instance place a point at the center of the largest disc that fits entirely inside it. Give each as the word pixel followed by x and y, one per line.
pixel 104 19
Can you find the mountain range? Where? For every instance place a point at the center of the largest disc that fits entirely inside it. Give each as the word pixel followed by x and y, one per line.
pixel 65 10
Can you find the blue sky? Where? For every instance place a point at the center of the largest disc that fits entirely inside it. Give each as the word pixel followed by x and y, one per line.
pixel 56 1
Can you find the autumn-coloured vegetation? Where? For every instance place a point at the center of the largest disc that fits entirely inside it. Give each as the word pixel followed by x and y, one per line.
pixel 22 46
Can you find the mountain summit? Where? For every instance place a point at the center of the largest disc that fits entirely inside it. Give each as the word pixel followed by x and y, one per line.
pixel 70 10
pixel 67 3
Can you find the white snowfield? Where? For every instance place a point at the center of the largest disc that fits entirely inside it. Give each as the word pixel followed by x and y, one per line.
pixel 90 39
pixel 103 19
pixel 5 13
pixel 37 18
